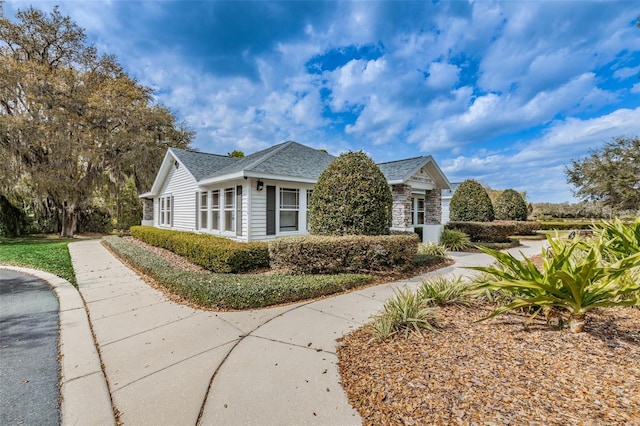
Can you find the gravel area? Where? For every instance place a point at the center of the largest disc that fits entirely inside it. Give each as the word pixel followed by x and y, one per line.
pixel 498 372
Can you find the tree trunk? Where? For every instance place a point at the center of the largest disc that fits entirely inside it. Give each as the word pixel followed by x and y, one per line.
pixel 576 323
pixel 69 221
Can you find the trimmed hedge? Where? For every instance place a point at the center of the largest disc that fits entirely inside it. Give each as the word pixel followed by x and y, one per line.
pixel 564 226
pixel 353 253
pixel 493 232
pixel 230 291
pixel 351 197
pixel 470 202
pixel 216 254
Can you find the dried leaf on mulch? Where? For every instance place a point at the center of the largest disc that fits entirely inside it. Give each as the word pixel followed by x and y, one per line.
pixel 498 372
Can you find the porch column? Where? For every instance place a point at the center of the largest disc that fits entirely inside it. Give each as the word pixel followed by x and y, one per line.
pixel 433 207
pixel 147 211
pixel 401 208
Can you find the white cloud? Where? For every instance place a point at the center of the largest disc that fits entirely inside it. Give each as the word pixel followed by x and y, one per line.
pixel 626 72
pixel 538 165
pixel 443 75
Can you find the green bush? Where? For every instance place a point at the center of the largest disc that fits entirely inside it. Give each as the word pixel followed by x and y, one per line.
pixel 351 197
pixel 230 291
pixel 353 253
pixel 455 240
pixel 216 254
pixel 511 206
pixel 94 219
pixel 565 226
pixel 13 221
pixel 471 203
pixel 492 232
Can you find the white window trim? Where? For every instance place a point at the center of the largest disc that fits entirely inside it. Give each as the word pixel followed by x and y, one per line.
pixel 295 208
pixel 166 211
pixel 217 209
pixel 204 209
pixel 232 209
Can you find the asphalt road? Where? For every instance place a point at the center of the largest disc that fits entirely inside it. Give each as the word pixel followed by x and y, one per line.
pixel 29 368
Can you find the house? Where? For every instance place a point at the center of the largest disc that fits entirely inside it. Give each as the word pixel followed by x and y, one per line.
pixel 265 195
pixel 446 201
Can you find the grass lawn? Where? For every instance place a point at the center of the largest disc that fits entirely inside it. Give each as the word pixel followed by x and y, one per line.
pixel 44 253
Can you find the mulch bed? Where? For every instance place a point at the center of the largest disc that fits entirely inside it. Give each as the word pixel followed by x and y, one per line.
pixel 498 372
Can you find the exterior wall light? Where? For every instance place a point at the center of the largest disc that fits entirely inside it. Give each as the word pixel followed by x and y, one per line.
pixel 260 185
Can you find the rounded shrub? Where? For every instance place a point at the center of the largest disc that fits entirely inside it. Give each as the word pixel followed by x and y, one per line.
pixel 511 206
pixel 471 203
pixel 352 197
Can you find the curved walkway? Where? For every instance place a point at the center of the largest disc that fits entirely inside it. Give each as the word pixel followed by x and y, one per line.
pixel 155 362
pixel 171 364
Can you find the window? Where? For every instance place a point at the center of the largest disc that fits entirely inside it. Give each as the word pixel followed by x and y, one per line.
pixel 204 210
pixel 309 192
pixel 413 211
pixel 239 210
pixel 165 210
pixel 215 209
pixel 229 209
pixel 289 208
pixel 420 211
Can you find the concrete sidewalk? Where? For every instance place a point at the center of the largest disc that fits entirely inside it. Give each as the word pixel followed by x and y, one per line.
pixel 168 364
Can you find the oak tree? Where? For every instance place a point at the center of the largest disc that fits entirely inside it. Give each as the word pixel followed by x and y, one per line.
pixel 610 174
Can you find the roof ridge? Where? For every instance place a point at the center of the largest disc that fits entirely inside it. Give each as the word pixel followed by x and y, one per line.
pixel 202 152
pixel 268 155
pixel 404 159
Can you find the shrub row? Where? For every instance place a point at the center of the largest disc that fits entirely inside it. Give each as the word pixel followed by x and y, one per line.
pixel 216 254
pixel 325 254
pixel 226 291
pixel 563 226
pixel 496 232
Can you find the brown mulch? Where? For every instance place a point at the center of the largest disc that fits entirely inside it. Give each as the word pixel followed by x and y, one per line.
pixel 498 372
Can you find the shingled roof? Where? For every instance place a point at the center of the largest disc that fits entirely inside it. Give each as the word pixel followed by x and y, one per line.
pixel 202 164
pixel 285 159
pixel 288 159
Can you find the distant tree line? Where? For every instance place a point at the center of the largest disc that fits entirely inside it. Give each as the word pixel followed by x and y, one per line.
pixel 79 138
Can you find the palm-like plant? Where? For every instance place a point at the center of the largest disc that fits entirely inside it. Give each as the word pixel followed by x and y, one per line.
pixel 620 239
pixel 406 311
pixel 576 284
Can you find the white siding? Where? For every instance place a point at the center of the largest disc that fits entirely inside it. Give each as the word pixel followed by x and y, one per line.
pixel 259 209
pixel 258 214
pixel 445 210
pixel 182 186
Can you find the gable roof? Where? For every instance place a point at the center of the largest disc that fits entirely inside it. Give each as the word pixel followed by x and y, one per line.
pixel 400 171
pixel 202 164
pixel 288 159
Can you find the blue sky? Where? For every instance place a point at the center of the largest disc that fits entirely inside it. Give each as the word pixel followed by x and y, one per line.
pixel 507 93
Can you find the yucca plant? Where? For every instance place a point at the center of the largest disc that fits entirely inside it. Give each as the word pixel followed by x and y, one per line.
pixel 455 240
pixel 406 311
pixel 444 291
pixel 620 239
pixel 574 284
pixel 432 249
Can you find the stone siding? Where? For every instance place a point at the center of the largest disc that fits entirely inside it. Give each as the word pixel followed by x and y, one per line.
pixel 433 207
pixel 401 207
